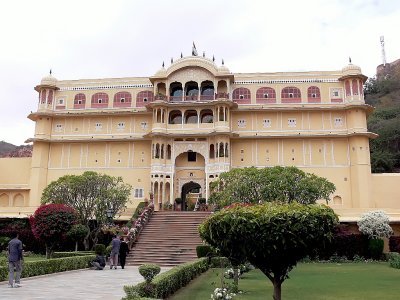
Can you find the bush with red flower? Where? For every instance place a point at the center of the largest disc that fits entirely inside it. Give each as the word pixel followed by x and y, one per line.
pixel 138 224
pixel 50 224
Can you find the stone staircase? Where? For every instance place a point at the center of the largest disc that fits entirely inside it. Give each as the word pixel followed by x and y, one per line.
pixel 168 239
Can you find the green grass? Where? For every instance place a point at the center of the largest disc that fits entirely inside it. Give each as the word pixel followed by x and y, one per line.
pixel 34 257
pixel 350 281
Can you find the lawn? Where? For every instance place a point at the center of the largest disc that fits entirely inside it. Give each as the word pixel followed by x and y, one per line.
pixel 34 257
pixel 350 281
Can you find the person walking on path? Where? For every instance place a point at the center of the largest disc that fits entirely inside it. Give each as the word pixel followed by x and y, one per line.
pixel 115 244
pixel 14 261
pixel 123 252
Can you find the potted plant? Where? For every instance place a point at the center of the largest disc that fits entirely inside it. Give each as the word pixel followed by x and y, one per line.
pixel 178 202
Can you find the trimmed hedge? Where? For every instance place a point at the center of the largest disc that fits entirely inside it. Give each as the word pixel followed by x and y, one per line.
pixel 394 260
pixel 169 282
pixel 48 266
pixel 204 251
pixel 71 254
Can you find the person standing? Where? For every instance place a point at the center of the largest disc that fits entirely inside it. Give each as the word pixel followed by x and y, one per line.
pixel 14 261
pixel 115 244
pixel 123 252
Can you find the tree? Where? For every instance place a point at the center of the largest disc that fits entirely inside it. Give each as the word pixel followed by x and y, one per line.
pixel 375 225
pixel 76 233
pixel 51 222
pixel 272 236
pixel 91 194
pixel 283 184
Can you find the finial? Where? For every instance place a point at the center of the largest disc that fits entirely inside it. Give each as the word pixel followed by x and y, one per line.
pixel 50 72
pixel 172 60
pixel 213 58
pixel 349 60
pixel 222 61
pixel 181 55
pixel 163 64
pixel 194 50
pixel 204 53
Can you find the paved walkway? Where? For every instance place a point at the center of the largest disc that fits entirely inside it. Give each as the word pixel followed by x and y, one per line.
pixel 82 284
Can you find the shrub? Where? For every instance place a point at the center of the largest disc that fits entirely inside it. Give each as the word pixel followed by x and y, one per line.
pixel 4 242
pixel 375 224
pixel 394 260
pixel 220 262
pixel 71 254
pixel 394 244
pixel 99 249
pixel 375 248
pixel 149 271
pixel 168 282
pixel 178 200
pixel 108 250
pixel 48 266
pixel 204 251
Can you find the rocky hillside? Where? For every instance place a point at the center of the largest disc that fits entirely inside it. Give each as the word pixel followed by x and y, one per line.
pixel 10 150
pixel 383 92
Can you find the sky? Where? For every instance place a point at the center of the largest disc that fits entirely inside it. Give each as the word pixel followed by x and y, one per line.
pixel 121 38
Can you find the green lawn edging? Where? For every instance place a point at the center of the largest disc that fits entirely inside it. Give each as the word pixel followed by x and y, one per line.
pixel 168 282
pixel 48 266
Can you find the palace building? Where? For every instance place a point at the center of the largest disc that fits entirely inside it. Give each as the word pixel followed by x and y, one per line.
pixel 173 133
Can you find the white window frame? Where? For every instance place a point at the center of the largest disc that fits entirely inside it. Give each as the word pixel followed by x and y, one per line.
pixel 292 122
pixel 338 121
pixel 267 123
pixel 99 126
pixel 138 193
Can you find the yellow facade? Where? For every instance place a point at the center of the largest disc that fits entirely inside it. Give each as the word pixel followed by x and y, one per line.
pixel 176 131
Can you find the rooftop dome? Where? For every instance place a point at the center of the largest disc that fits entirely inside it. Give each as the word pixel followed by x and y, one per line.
pixel 49 80
pixel 162 72
pixel 351 69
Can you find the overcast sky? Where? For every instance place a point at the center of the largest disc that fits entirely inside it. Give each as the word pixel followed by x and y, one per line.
pixel 100 39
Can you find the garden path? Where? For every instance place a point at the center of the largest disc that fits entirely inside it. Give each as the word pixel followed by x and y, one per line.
pixel 81 284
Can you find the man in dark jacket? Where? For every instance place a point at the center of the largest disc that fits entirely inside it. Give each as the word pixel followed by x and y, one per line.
pixel 14 261
pixel 123 252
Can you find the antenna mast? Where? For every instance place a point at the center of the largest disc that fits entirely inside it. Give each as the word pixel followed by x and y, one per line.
pixel 383 50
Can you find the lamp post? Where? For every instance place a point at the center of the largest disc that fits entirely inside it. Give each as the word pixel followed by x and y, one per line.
pixel 109 213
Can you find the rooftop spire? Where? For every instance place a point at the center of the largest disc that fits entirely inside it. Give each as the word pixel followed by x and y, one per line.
pixel 163 64
pixel 194 50
pixel 349 60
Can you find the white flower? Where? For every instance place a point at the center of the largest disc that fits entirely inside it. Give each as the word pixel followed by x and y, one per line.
pixel 375 224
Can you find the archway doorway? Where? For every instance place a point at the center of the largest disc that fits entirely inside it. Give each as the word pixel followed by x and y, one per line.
pixel 189 189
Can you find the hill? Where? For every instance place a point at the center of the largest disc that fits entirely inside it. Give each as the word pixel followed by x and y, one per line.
pixel 383 92
pixel 10 150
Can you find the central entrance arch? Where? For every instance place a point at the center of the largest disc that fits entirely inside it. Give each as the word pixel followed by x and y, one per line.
pixel 189 187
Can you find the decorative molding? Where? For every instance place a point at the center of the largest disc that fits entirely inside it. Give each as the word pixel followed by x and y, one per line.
pixel 286 81
pixel 105 87
pixel 182 147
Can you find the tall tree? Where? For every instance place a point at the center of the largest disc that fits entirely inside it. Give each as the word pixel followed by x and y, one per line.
pixel 272 236
pixel 91 194
pixel 283 184
pixel 50 223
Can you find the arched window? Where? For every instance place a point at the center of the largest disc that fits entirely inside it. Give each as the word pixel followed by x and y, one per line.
pixel 99 100
pixel 221 114
pixel 241 96
pixel 43 96
pixel 313 94
pixel 122 99
pixel 157 155
pixel 153 152
pixel 206 116
pixel 221 150
pixel 192 91
pixel 347 87
pixel 355 87
pixel 190 117
pixel 291 95
pixel 265 95
pixel 50 97
pixel 143 98
pixel 212 151
pixel 169 151
pixel 175 117
pixel 176 91
pixel 79 100
pixel 162 151
pixel 207 90
pixel 226 150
